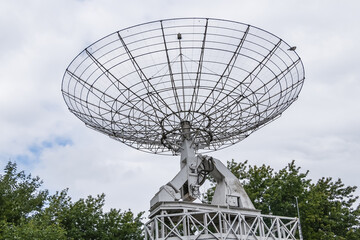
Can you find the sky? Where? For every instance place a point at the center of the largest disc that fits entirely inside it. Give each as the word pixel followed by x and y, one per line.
pixel 38 40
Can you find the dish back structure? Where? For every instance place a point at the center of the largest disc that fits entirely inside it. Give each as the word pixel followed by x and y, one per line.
pixel 227 79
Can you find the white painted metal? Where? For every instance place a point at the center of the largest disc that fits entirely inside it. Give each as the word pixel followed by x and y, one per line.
pixel 185 185
pixel 231 214
pixel 229 190
pixel 190 221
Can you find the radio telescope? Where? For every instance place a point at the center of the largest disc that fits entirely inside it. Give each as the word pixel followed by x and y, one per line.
pixel 185 87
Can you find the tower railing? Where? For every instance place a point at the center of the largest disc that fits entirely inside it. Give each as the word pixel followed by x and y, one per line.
pixel 187 222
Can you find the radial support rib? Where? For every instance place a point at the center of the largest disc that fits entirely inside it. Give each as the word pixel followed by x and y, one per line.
pixel 177 101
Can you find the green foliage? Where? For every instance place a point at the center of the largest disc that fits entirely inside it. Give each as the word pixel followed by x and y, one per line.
pixel 326 207
pixel 26 212
pixel 19 195
pixel 32 229
pixel 328 212
pixel 85 218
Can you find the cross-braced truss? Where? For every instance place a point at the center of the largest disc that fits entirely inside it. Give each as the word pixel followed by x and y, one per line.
pixel 226 78
pixel 219 224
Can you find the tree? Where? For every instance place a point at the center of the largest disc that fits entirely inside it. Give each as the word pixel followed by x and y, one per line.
pixel 21 200
pixel 32 229
pixel 326 207
pixel 85 219
pixel 20 196
pixel 27 212
pixel 328 212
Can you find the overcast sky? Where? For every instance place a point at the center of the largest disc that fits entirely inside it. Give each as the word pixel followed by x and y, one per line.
pixel 38 40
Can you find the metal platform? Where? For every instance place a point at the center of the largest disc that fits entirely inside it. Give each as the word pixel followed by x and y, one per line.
pixel 185 220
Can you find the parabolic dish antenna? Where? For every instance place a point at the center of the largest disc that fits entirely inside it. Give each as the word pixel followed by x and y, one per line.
pixel 209 80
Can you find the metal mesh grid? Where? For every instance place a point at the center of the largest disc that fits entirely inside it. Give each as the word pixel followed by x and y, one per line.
pixel 226 78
